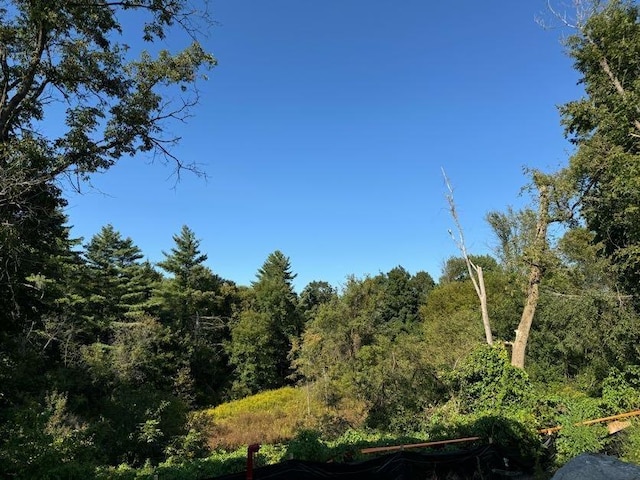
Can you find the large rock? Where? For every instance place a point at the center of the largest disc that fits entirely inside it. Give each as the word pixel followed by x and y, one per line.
pixel 597 467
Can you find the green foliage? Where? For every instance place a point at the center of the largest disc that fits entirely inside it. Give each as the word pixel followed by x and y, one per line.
pixel 196 305
pixel 313 295
pixel 255 349
pixel 451 311
pixel 74 49
pixel 604 125
pixel 307 445
pixel 139 425
pixel 396 383
pixel 621 389
pixel 43 440
pixel 216 464
pixel 116 286
pixel 561 405
pixel 574 439
pixel 263 335
pixel 275 296
pixel 515 232
pixel 364 345
pixel 455 268
pixel 487 382
pixel 630 448
pixel 582 333
pixel 192 291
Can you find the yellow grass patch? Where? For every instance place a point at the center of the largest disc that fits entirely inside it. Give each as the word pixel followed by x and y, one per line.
pixel 270 417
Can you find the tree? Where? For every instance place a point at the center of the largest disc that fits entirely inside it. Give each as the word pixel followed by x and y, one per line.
pixel 537 262
pixel 362 345
pixel 185 258
pixel 256 351
pixel 188 299
pixel 605 127
pixel 399 299
pixel 275 295
pixel 117 284
pixel 455 268
pixel 313 295
pixel 197 305
pixel 450 322
pixel 584 326
pixel 338 331
pixel 263 336
pixel 524 245
pixel 69 56
pixel 32 242
pixel 515 231
pixel 423 284
pixel 475 271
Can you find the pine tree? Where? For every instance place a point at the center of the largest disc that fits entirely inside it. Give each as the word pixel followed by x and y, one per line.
pixel 274 322
pixel 190 295
pixel 117 283
pixel 196 304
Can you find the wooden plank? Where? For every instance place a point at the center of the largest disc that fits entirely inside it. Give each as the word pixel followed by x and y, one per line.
pixel 418 445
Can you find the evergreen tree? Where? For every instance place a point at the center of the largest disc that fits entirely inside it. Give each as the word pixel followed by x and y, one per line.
pixel 190 294
pixel 197 305
pixel 37 260
pixel 277 324
pixel 117 283
pixel 275 295
pixel 31 236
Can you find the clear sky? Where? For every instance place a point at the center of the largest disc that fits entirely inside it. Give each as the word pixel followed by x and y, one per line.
pixel 324 129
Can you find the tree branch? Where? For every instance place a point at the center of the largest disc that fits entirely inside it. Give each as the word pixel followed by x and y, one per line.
pixel 8 110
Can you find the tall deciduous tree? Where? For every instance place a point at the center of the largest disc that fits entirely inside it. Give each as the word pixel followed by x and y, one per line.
pixel 537 266
pixel 69 60
pixel 605 127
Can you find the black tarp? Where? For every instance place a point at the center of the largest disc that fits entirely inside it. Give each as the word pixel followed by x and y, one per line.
pixel 485 462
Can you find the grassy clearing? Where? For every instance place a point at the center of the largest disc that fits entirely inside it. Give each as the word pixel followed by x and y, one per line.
pixel 275 416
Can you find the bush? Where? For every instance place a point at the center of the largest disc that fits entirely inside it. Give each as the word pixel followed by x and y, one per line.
pixel 43 440
pixel 486 381
pixel 621 389
pixel 306 445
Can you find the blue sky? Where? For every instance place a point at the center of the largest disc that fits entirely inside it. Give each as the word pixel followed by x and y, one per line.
pixel 324 129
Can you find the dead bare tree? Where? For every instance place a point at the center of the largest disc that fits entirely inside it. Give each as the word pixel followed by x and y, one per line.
pixel 475 271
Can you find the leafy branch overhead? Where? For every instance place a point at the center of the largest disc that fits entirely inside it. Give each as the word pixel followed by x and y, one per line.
pixel 68 60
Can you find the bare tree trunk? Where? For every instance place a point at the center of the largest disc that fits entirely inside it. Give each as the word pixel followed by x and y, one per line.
pixel 475 271
pixel 535 276
pixel 482 295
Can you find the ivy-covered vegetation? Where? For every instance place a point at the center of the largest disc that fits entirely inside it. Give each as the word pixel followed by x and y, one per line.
pixel 113 367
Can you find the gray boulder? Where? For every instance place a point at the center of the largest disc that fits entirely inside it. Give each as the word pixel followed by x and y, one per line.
pixel 597 467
